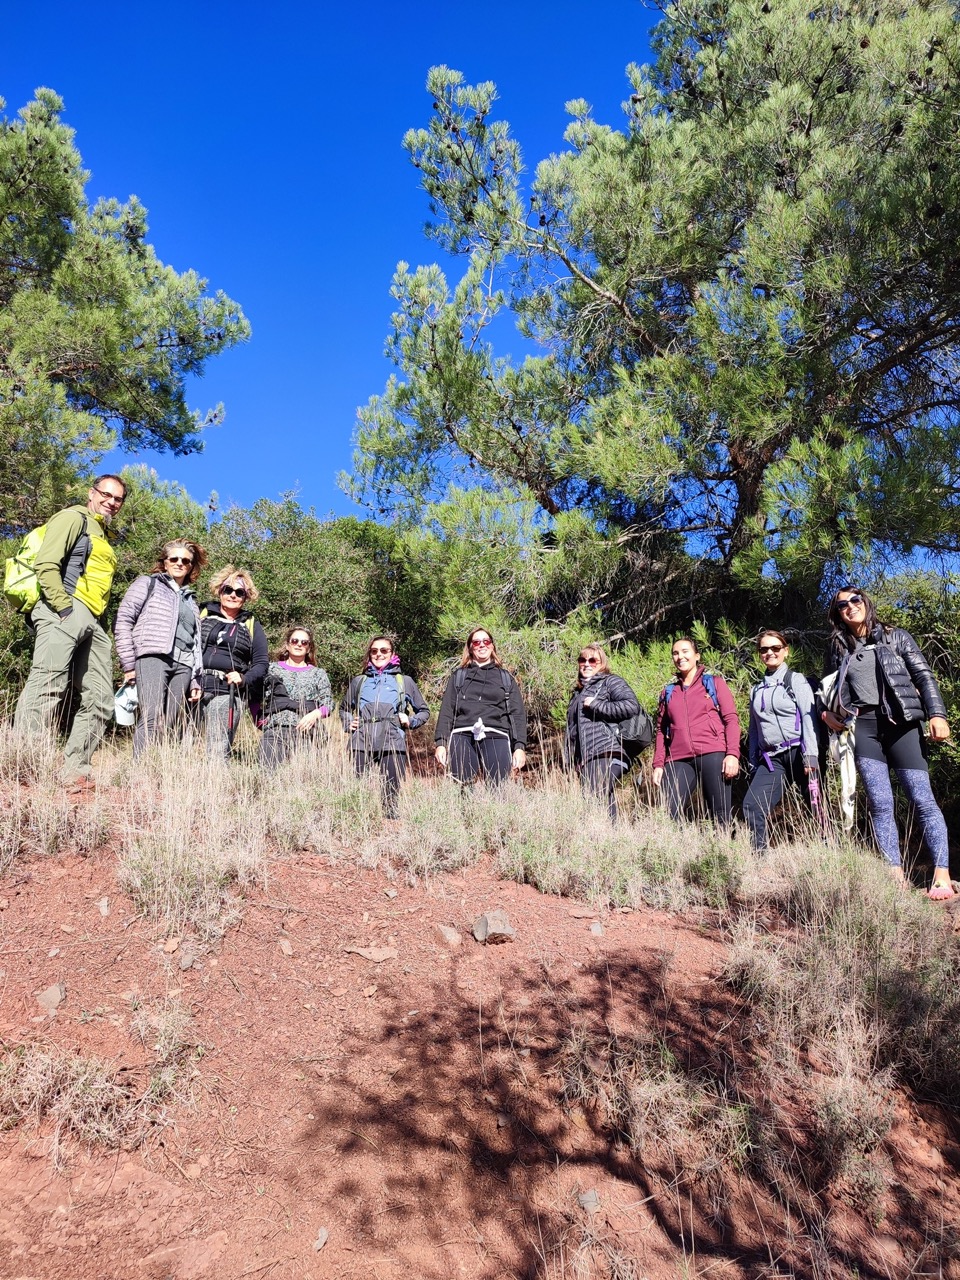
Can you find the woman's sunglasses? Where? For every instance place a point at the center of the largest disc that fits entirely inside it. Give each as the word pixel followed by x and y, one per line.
pixel 849 602
pixel 770 648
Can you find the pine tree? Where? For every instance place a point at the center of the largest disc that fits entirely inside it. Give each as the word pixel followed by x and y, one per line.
pixel 746 301
pixel 97 336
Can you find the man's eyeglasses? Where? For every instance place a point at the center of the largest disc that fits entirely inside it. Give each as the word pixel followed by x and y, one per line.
pixel 849 602
pixel 770 648
pixel 117 499
pixel 239 592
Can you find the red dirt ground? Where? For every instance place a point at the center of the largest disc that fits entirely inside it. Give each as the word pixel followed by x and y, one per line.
pixel 412 1107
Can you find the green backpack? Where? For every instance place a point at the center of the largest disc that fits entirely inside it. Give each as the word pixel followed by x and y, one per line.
pixel 20 584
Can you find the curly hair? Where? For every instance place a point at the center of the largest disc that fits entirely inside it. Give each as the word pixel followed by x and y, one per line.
pixel 231 571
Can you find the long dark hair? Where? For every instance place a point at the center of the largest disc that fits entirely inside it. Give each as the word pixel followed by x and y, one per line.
pixel 841 637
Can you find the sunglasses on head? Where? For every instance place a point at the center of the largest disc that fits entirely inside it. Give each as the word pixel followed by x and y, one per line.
pixel 240 592
pixel 850 600
pixel 770 648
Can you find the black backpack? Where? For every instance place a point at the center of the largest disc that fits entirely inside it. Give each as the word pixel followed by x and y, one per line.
pixel 635 734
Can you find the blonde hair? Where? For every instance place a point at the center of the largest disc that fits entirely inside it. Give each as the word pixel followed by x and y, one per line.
pixel 231 571
pixel 603 668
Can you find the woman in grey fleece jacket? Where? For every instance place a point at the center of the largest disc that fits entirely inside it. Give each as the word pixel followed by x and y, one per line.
pixel 782 744
pixel 158 640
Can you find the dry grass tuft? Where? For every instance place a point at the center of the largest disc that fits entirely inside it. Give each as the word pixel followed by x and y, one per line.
pixel 85 1099
pixel 554 837
pixel 863 977
pixel 688 1125
pixel 37 817
pixel 82 1097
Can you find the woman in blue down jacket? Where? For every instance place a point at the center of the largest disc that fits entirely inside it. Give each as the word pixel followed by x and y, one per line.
pixel 381 707
pixel 885 684
pixel 600 701
pixel 158 640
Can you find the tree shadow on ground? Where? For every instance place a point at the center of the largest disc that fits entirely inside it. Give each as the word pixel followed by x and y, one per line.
pixel 459 1116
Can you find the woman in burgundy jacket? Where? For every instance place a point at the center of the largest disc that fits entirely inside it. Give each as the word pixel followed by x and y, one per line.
pixel 698 737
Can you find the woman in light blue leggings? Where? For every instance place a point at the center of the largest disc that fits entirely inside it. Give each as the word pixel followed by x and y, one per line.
pixel 885 682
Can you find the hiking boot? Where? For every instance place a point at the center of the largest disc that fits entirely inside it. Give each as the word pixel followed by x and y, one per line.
pixel 81 786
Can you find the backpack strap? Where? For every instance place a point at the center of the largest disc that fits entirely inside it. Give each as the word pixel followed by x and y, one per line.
pixel 404 702
pixel 506 681
pixel 710 684
pixel 74 564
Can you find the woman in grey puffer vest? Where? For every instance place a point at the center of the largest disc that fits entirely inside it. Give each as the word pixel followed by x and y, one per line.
pixel 158 640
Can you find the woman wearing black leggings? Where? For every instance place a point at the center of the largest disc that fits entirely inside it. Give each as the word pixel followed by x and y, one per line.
pixel 697 746
pixel 482 725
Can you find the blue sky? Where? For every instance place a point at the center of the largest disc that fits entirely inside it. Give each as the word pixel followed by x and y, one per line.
pixel 265 144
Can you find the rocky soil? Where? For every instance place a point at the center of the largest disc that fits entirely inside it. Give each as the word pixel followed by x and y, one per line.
pixel 362 1075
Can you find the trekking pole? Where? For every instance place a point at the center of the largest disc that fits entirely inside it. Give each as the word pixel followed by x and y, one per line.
pixel 232 716
pixel 816 803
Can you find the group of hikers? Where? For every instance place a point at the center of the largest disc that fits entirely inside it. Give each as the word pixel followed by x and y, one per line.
pixel 208 662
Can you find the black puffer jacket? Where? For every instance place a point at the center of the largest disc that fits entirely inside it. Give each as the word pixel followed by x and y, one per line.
pixel 590 731
pixel 908 688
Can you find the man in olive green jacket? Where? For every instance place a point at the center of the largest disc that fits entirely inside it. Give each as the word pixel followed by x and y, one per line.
pixel 75 567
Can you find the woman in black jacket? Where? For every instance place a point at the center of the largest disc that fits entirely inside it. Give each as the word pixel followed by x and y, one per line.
pixel 482 723
pixel 600 701
pixel 235 656
pixel 885 685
